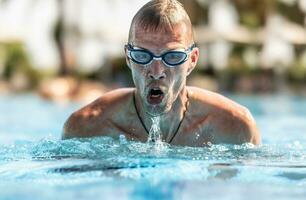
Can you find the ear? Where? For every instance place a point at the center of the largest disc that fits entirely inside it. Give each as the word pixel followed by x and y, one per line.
pixel 127 59
pixel 194 56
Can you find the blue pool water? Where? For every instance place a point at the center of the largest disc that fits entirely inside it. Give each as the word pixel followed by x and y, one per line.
pixel 36 164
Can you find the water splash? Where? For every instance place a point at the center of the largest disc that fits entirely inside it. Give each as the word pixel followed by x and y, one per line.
pixel 155 136
pixel 155 132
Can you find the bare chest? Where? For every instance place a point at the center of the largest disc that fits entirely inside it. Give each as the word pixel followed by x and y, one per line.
pixel 194 133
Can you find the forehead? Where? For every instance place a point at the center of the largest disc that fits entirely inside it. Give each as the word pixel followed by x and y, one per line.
pixel 177 37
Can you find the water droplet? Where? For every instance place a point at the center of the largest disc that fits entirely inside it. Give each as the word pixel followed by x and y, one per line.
pixel 122 139
pixel 197 135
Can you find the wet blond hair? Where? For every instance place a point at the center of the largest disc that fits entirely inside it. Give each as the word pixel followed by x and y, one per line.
pixel 160 15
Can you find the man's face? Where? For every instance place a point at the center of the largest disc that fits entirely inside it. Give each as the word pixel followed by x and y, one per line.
pixel 158 85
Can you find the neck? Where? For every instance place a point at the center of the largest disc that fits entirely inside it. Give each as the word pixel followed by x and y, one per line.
pixel 169 121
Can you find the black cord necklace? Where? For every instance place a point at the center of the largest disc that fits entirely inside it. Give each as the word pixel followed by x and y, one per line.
pixel 178 127
pixel 134 100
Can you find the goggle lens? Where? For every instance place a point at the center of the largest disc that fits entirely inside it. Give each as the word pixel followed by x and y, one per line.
pixel 141 56
pixel 174 58
pixel 170 58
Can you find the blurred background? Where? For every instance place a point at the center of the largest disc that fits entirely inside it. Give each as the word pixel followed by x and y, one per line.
pixel 57 55
pixel 72 50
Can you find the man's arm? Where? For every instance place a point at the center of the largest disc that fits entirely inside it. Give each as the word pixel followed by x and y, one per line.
pixel 229 121
pixel 251 134
pixel 79 125
pixel 237 127
pixel 89 121
pixel 96 118
pixel 72 128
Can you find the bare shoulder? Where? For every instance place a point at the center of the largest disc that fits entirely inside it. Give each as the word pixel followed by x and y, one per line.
pixel 231 122
pixel 92 119
pixel 213 100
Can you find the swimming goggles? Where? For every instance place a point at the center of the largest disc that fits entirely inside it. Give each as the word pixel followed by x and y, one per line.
pixel 170 58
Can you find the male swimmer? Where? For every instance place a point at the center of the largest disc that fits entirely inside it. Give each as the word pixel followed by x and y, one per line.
pixel 161 53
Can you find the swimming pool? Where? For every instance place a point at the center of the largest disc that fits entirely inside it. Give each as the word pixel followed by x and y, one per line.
pixel 36 164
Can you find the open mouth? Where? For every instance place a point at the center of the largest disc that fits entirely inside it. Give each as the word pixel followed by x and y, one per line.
pixel 155 96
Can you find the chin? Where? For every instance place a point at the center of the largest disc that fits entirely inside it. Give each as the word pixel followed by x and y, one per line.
pixel 159 109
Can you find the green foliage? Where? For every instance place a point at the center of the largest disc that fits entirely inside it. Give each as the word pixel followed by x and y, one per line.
pixel 16 60
pixel 291 12
pixel 297 73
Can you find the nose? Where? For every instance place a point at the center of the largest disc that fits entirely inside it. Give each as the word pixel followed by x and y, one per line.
pixel 157 71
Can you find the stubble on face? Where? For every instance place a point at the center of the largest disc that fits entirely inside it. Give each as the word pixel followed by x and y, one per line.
pixel 175 81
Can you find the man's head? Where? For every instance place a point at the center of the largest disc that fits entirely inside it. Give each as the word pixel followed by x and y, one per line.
pixel 160 27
